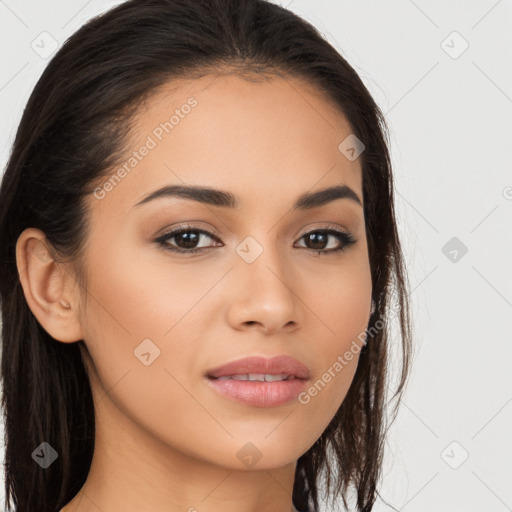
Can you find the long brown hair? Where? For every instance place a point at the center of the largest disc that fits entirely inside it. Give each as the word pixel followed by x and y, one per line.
pixel 73 131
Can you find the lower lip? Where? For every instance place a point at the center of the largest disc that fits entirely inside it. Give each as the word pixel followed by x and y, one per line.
pixel 258 393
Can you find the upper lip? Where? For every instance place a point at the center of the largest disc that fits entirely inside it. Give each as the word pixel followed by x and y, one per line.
pixel 281 364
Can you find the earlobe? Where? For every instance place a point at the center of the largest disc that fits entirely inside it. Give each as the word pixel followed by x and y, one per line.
pixel 47 287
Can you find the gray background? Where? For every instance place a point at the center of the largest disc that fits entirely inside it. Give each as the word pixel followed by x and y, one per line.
pixel 449 109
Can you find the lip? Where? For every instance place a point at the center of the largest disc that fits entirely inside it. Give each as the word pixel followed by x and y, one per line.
pixel 258 393
pixel 259 364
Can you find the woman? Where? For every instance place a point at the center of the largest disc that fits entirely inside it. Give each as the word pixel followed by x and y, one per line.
pixel 198 243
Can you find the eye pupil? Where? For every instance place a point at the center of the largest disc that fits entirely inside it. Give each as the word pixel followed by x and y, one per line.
pixel 189 237
pixel 315 237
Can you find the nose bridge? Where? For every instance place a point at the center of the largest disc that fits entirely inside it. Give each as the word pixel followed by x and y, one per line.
pixel 266 295
pixel 262 256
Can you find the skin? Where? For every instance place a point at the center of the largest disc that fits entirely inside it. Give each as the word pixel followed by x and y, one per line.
pixel 165 441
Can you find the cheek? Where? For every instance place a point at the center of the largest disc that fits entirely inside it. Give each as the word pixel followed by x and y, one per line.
pixel 340 299
pixel 141 294
pixel 342 309
pixel 144 309
pixel 136 308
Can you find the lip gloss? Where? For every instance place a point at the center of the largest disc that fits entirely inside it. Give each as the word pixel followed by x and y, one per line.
pixel 259 393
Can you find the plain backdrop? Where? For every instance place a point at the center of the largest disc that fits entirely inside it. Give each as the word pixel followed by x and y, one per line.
pixel 441 72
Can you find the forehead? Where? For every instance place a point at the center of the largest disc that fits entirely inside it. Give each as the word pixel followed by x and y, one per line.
pixel 265 137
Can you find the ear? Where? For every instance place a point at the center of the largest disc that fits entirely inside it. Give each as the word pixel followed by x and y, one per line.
pixel 50 290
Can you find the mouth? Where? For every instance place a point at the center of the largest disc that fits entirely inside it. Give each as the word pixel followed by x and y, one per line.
pixel 261 377
pixel 260 382
pixel 280 367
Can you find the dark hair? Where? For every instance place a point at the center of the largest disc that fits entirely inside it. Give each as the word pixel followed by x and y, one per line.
pixel 74 129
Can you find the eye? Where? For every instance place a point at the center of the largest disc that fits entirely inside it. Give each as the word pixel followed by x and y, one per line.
pixel 319 238
pixel 188 237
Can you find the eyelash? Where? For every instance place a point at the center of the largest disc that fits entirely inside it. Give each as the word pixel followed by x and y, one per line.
pixel 346 238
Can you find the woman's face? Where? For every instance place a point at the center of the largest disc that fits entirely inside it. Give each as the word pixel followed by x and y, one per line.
pixel 158 321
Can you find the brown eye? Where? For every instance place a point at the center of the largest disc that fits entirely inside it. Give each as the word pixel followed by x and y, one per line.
pixel 186 239
pixel 318 240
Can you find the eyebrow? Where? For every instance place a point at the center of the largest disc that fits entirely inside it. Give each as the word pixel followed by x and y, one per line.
pixel 215 197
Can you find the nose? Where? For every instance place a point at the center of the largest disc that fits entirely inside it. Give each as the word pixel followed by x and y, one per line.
pixel 264 297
